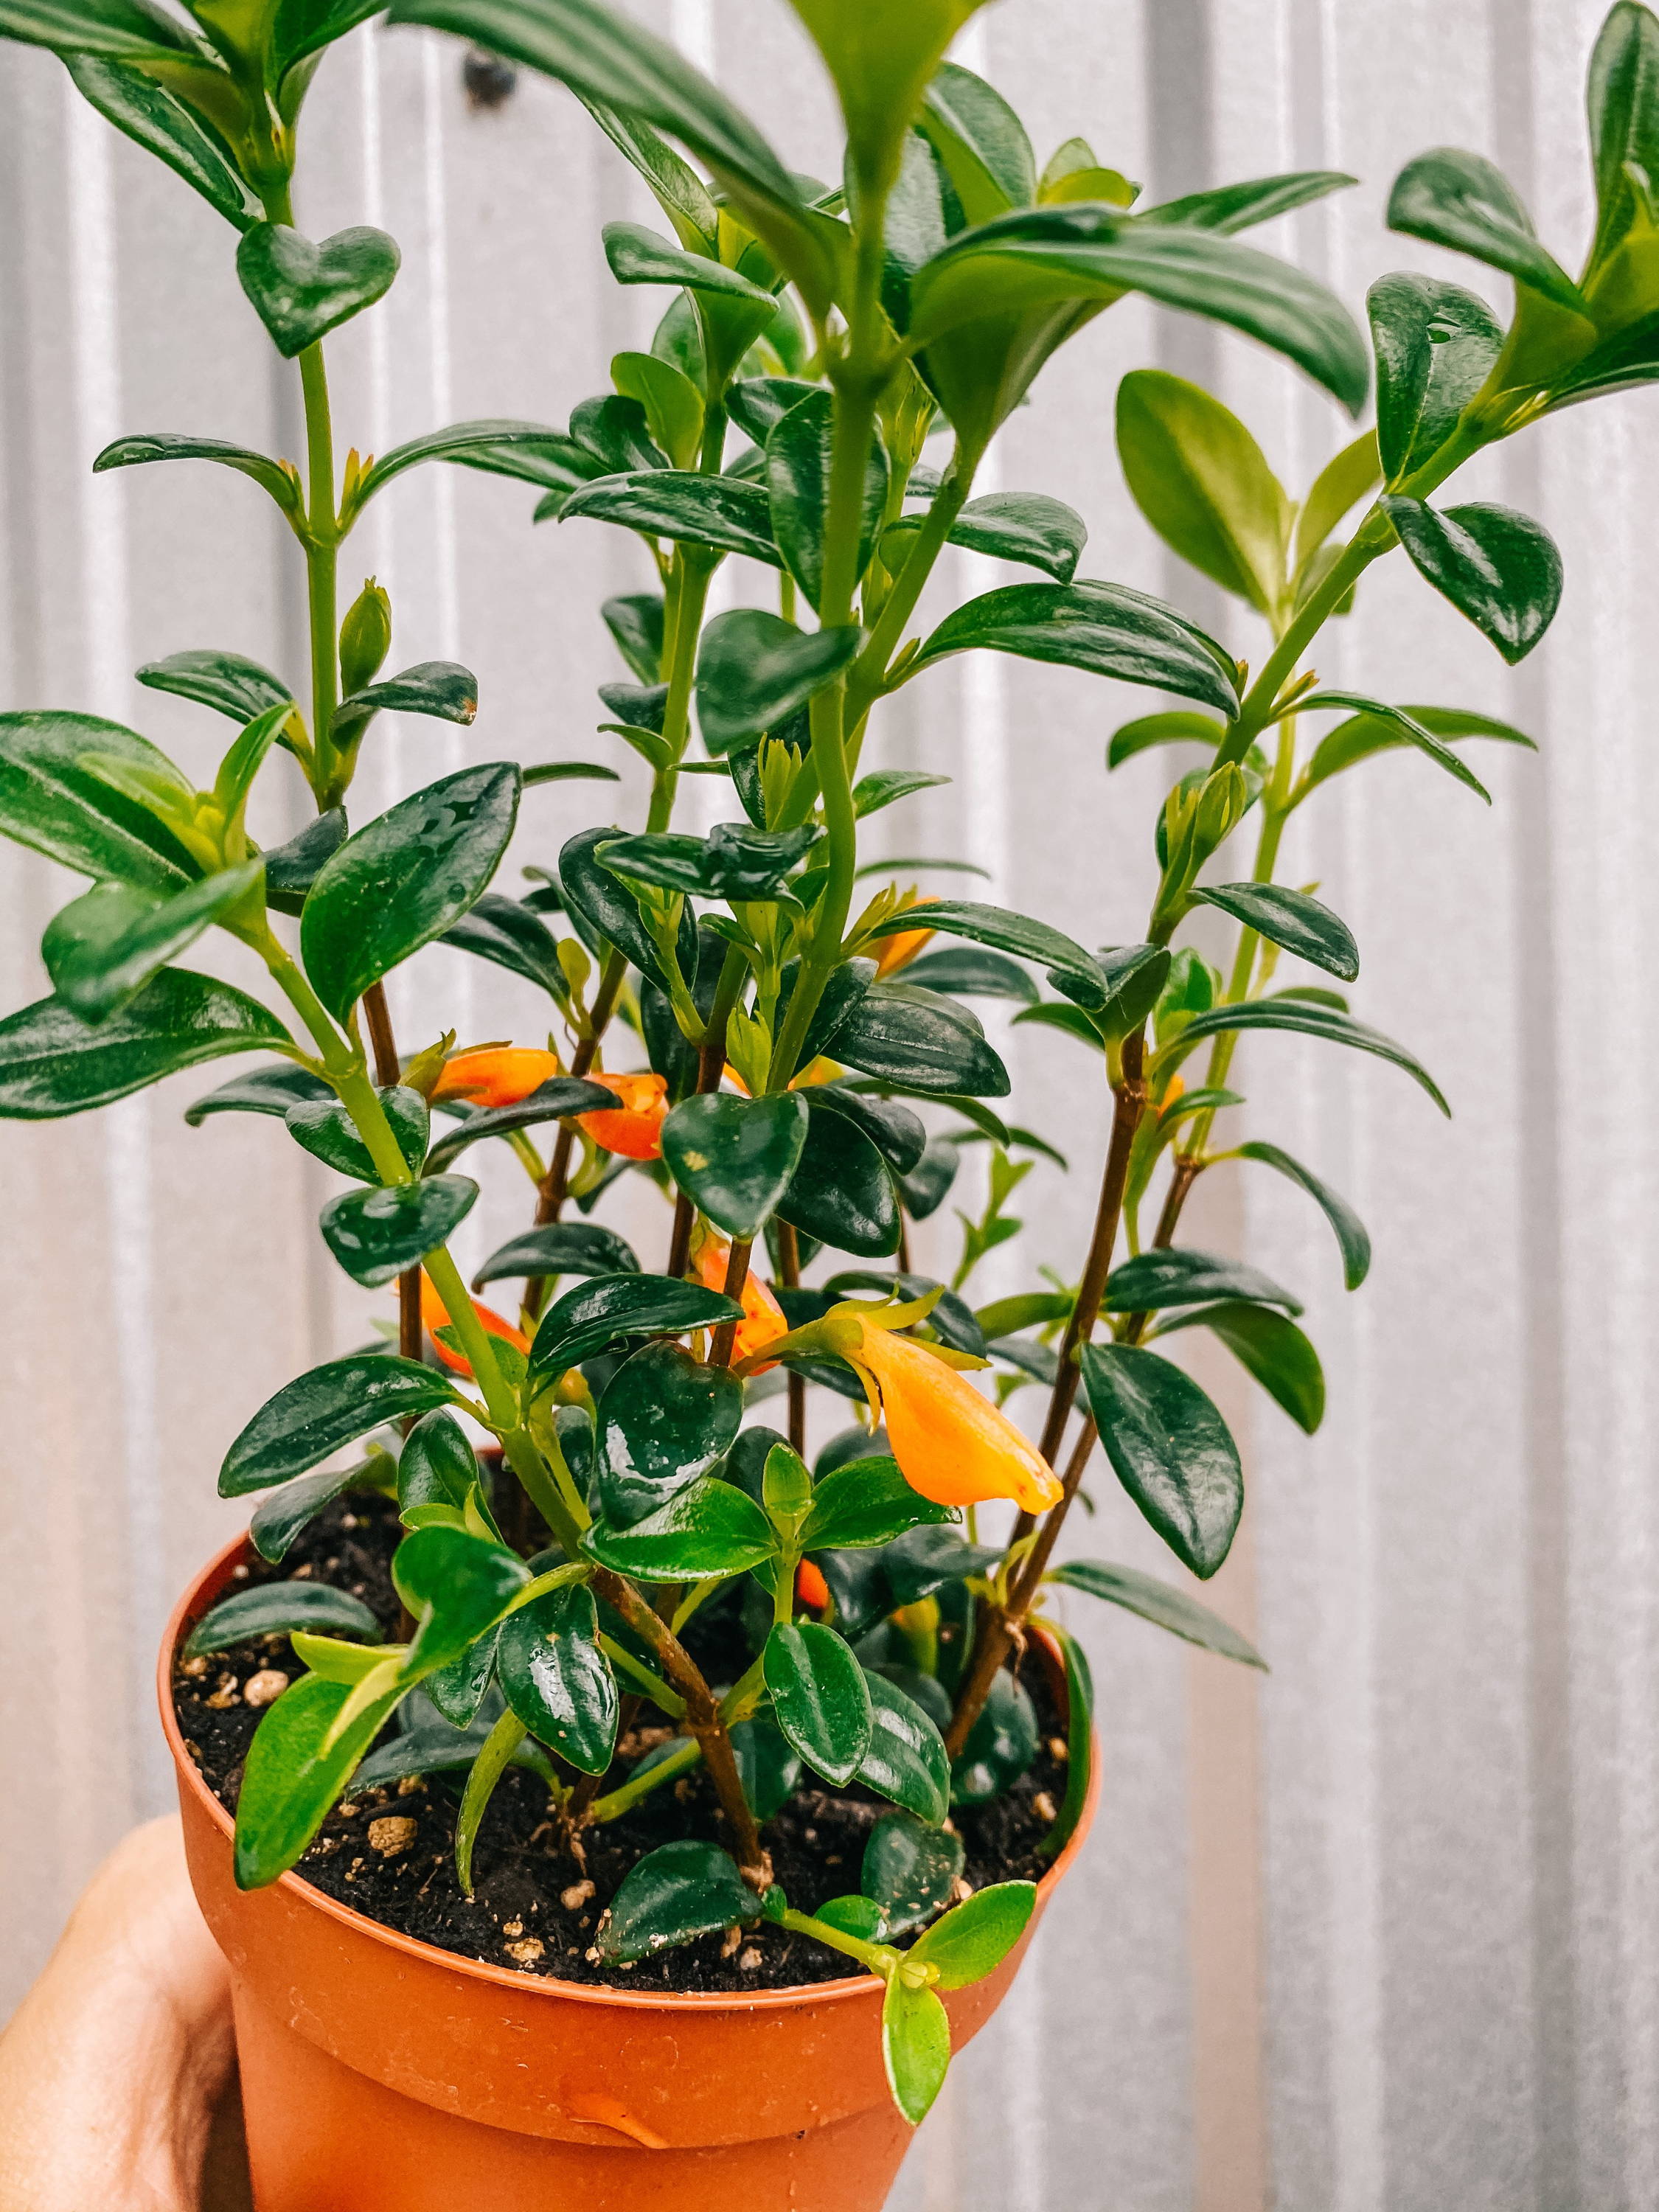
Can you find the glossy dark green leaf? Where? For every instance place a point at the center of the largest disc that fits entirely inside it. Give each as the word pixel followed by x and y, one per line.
pixel 1171 1449
pixel 635 620
pixel 404 879
pixel 1462 201
pixel 1177 725
pixel 456 1585
pixel 1006 931
pixel 916 2047
pixel 1203 482
pixel 911 1038
pixel 969 972
pixel 1005 526
pixel 1178 1276
pixel 1229 207
pixel 1157 1601
pixel 556 1100
pixel 280 1514
pixel 1000 1746
pixel 755 670
pixel 324 1128
pixel 291 869
pixel 53 802
pixel 1106 629
pixel 842 1192
pixel 265 1090
pixel 1408 729
pixel 1497 566
pixel 735 1156
pixel 1436 345
pixel 442 689
pixel 104 947
pixel 1350 1230
pixel 294 1772
pixel 164 445
pixel 437 1464
pixel 709 1529
pixel 909 1870
pixel 301 290
pixel 734 861
pixel 511 935
pixel 637 255
pixel 1357 739
pixel 459 1689
pixel 1622 96
pixel 1292 920
pixel 844 990
pixel 52 1063
pixel 1080 1745
pixel 798 450
pixel 768 1768
pixel 897 1133
pixel 883 787
pixel 926 1187
pixel 274 1608
pixel 594 1315
pixel 1271 1348
pixel 594 895
pixel 376 1234
pixel 319 1411
pixel 230 683
pixel 562 1248
pixel 720 512
pixel 149 115
pixel 675 1893
pixel 528 450
pixel 906 1759
pixel 819 1697
pixel 665 1420
pixel 1307 1018
pixel 556 1678
pixel 981 141
pixel 432 1747
pixel 925 1559
pixel 865 1503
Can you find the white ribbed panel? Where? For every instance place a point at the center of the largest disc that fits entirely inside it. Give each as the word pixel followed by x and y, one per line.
pixel 1380 1934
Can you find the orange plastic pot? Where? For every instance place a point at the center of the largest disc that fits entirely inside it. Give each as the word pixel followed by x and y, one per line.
pixel 380 2074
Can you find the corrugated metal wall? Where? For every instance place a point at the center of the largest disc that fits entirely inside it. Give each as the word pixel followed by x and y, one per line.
pixel 1380 1934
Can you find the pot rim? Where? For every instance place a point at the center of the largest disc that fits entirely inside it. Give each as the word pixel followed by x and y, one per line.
pixel 864 1988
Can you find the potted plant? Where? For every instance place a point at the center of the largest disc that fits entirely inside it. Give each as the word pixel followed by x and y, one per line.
pixel 583 1731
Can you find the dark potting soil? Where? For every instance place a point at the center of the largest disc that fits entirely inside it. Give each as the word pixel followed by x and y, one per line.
pixel 389 1854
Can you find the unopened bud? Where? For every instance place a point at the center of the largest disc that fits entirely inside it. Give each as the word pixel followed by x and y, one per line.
pixel 1221 807
pixel 574 961
pixel 365 638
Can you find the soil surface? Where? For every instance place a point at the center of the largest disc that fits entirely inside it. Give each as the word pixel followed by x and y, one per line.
pixel 390 1853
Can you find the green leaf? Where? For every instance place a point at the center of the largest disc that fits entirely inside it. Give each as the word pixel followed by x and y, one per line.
pixel 1000 1746
pixel 563 1247
pixel 53 802
pixel 906 1759
pixel 163 125
pixel 1178 1276
pixel 673 412
pixel 1080 1742
pixel 798 452
pixel 319 1411
pixel 894 1130
pixel 103 948
pixel 722 513
pixel 841 1193
pixel 1622 96
pixel 1157 1603
pixel 1273 1349
pixel 437 1465
pixel 376 1234
pixel 1344 480
pixel 437 1749
pixel 1461 201
pixel 767 1769
pixel 980 143
pixel 163 446
pixel 914 1039
pixel 301 290
pixel 1004 526
pixel 265 1090
pixel 1204 484
pixel 594 896
pixel 291 869
pixel 1350 1230
pixel 1230 207
pixel 230 683
pixel 274 1608
pixel 1106 629
pixel 556 1678
pixel 442 689
pixel 326 1130
pixel 1498 566
pixel 885 786
pixel 865 1503
pixel 909 1870
pixel 513 936
pixel 1289 918
pixel 665 1420
pixel 974 1937
pixel 675 1894
pixel 819 1697
pixel 130 28
pixel 735 861
pixel 916 2047
pixel 52 1063
pixel 1308 1019
pixel 965 972
pixel 635 620
pixel 1171 1449
pixel 880 59
pixel 1175 726
pixel 505 1738
pixel 456 1585
pixel 734 1156
pixel 709 1529
pixel 282 1514
pixel 927 1558
pixel 529 451
pixel 1411 730
pixel 639 256
pixel 677 189
pixel 556 1100
pixel 404 879
pixel 754 670
pixel 1006 931
pixel 296 1766
pixel 1381 730
pixel 1436 345
pixel 587 1319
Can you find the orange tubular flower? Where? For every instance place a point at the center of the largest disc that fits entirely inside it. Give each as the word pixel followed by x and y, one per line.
pixel 435 1316
pixel 951 1445
pixel 810 1587
pixel 633 1126
pixel 498 1077
pixel 763 1317
pixel 899 951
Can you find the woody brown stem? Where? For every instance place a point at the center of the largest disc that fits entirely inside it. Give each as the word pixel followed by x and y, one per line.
pixel 725 1336
pixel 711 1065
pixel 388 1071
pixel 789 1277
pixel 556 1184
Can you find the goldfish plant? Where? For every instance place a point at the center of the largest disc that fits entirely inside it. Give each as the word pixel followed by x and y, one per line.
pixel 580 1484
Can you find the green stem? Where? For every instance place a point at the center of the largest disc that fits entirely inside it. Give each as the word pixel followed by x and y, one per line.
pixel 879 1958
pixel 869 672
pixel 640 1675
pixel 480 1353
pixel 741 1699
pixel 683 1757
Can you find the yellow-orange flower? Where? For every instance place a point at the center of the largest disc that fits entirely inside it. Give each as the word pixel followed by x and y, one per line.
pixel 435 1316
pixel 763 1317
pixel 633 1126
pixel 500 1076
pixel 951 1445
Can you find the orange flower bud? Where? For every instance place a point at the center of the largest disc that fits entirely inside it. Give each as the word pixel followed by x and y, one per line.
pixel 951 1445
pixel 498 1077
pixel 634 1127
pixel 763 1317
pixel 435 1316
pixel 810 1587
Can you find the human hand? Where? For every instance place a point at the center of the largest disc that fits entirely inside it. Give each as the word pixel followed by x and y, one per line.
pixel 114 2064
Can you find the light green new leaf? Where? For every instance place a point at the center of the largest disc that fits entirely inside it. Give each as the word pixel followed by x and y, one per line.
pixel 1204 484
